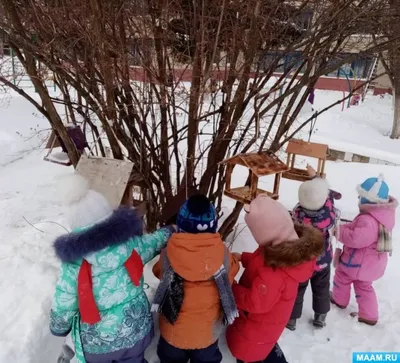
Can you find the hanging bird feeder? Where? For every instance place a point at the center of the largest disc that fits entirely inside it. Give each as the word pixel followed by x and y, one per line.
pixel 117 180
pixel 307 149
pixel 259 165
pixel 55 141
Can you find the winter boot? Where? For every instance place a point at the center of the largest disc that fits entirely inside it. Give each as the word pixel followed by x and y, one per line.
pixel 319 320
pixel 291 324
pixel 335 303
pixel 364 321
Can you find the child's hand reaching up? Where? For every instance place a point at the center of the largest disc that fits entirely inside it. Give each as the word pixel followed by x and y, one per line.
pixel 311 171
pixel 238 256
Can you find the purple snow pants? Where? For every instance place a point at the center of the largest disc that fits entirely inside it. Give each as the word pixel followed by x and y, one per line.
pixel 131 355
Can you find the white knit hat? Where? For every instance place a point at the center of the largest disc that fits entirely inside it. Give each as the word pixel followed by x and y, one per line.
pixel 84 206
pixel 313 194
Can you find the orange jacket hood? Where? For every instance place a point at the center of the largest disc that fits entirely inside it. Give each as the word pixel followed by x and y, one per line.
pixel 196 257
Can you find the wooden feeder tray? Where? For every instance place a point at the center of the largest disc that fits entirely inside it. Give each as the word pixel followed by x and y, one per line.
pixel 297 174
pixel 243 194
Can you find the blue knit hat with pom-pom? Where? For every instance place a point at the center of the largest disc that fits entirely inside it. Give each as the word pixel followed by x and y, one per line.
pixel 373 191
pixel 197 215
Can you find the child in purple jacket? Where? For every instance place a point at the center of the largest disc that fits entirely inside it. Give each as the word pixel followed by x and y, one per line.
pixel 316 208
pixel 367 244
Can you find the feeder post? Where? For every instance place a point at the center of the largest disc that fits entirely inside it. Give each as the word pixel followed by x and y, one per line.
pixel 229 170
pixel 323 167
pixel 288 159
pixel 127 199
pixel 319 168
pixel 293 160
pixel 253 185
pixel 277 183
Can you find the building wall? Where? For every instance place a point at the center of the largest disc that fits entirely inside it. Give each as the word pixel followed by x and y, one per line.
pixel 324 83
pixel 382 84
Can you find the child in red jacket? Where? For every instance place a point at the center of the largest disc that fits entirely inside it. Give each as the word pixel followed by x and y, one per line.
pixel 267 289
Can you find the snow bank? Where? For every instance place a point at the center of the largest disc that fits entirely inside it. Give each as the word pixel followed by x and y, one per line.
pixel 362 129
pixel 22 129
pixel 28 267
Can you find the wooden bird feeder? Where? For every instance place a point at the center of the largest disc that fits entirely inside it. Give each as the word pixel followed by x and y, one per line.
pixel 54 141
pixel 307 149
pixel 116 180
pixel 258 164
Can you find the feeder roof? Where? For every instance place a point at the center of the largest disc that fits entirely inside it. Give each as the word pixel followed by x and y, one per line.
pixel 310 149
pixel 261 164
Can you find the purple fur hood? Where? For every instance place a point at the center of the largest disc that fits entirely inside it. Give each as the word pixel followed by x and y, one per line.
pixel 122 225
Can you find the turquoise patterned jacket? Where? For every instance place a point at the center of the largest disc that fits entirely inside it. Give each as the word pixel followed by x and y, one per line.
pixel 124 308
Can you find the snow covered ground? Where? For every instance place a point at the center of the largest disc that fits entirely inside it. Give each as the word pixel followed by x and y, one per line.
pixel 362 129
pixel 31 217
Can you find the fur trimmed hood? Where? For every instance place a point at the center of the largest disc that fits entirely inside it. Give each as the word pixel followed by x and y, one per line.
pixel 290 254
pixel 123 224
pixel 391 204
pixel 384 213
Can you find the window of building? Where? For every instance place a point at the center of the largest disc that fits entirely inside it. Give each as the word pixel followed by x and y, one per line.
pixel 285 62
pixel 358 69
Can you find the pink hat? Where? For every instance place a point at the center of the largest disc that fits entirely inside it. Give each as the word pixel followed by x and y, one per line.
pixel 269 222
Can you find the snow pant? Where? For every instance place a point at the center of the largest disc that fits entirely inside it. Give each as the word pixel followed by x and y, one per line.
pixel 276 356
pixel 365 295
pixel 320 285
pixel 131 355
pixel 170 354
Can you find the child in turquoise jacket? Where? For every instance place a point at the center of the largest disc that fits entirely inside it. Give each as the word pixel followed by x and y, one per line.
pixel 99 296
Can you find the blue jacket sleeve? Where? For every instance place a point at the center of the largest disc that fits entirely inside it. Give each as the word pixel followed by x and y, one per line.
pixel 65 302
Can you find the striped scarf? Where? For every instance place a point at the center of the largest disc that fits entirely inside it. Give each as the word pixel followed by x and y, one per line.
pixel 384 240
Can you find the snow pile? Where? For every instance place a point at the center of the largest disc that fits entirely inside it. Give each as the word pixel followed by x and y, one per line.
pixel 28 267
pixel 363 129
pixel 22 129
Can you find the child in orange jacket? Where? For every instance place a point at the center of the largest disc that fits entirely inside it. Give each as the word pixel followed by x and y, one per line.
pixel 194 297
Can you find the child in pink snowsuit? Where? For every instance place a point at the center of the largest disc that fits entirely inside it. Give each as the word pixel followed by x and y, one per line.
pixel 367 243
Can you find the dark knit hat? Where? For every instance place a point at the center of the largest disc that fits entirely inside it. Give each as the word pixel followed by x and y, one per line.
pixel 197 215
